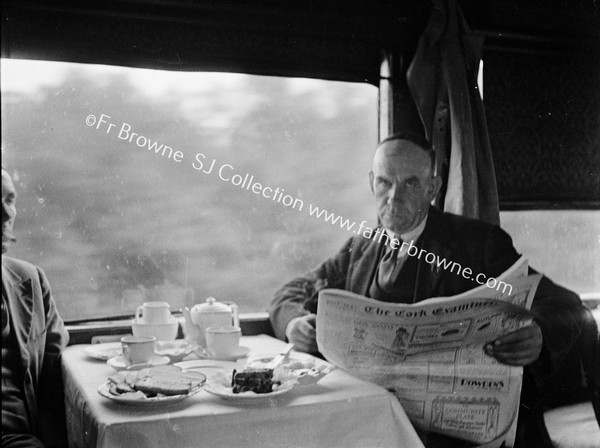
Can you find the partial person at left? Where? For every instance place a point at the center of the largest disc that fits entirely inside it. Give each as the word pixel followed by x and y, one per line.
pixel 33 337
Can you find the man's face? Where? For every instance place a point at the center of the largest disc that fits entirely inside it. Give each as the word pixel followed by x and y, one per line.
pixel 9 210
pixel 403 185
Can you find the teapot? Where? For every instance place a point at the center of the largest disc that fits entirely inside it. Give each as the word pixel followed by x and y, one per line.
pixel 209 314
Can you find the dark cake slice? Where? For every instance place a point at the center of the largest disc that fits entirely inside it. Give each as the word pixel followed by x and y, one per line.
pixel 259 381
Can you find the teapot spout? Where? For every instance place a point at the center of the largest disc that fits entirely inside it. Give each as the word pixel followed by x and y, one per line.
pixel 187 316
pixel 190 331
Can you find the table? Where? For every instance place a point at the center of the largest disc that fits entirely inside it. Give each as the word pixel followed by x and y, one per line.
pixel 339 411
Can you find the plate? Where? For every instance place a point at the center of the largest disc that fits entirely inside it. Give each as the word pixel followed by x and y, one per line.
pixel 119 363
pixel 306 370
pixel 175 350
pixel 241 353
pixel 105 351
pixel 206 366
pixel 142 400
pixel 220 385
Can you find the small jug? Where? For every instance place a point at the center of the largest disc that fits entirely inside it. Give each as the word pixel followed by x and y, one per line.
pixel 210 314
pixel 153 313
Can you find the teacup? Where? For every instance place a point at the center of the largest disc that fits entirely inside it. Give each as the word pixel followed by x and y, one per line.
pixel 223 341
pixel 138 349
pixel 153 313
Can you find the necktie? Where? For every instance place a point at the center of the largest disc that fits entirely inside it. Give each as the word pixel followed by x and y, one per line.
pixel 388 268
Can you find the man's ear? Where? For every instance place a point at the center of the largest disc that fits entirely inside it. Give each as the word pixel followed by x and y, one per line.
pixel 434 187
pixel 371 177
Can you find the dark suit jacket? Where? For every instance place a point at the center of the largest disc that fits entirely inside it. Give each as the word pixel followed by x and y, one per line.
pixel 41 336
pixel 482 247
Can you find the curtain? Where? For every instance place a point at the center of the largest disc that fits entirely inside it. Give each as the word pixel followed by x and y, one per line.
pixel 442 78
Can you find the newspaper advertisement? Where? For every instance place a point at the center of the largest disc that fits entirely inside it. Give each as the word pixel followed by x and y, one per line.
pixel 431 354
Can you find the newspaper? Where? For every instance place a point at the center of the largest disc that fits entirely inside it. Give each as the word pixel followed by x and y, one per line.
pixel 430 354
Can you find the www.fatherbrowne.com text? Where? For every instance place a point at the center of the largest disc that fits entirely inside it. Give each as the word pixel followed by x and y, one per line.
pixel 226 173
pixel 411 250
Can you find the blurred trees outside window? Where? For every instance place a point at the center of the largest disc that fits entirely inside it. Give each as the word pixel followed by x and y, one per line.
pixel 114 224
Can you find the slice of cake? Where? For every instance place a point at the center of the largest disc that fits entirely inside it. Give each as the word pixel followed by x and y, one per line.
pixel 259 381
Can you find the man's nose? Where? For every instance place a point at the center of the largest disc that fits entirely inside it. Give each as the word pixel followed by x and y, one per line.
pixel 396 193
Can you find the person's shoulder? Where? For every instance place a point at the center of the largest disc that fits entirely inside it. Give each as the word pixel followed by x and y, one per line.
pixel 462 230
pixel 462 221
pixel 461 225
pixel 360 243
pixel 19 268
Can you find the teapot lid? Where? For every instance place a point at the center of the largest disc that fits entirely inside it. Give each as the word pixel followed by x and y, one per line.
pixel 211 306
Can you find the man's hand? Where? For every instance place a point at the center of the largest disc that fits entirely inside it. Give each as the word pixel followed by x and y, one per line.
pixel 518 348
pixel 301 332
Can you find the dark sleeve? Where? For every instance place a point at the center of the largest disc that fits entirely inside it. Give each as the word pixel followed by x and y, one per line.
pixel 299 296
pixel 500 253
pixel 50 394
pixel 560 314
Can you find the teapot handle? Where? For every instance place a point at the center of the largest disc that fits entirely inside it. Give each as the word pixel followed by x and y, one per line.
pixel 138 313
pixel 187 316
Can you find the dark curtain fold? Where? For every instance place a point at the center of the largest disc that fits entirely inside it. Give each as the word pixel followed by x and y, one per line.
pixel 442 78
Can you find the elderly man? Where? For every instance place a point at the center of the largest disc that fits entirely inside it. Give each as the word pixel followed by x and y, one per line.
pixel 33 336
pixel 403 184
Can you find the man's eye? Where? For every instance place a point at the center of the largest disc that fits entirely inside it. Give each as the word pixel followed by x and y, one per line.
pixel 383 183
pixel 412 183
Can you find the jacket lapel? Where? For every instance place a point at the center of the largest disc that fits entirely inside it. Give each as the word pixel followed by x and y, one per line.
pixel 363 269
pixel 20 302
pixel 429 275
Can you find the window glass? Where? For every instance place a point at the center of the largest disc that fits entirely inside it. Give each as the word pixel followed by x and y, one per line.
pixel 137 185
pixel 563 244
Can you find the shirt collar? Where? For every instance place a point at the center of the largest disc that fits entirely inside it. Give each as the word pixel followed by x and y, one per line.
pixel 412 235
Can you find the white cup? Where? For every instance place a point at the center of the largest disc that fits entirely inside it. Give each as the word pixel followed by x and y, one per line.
pixel 153 313
pixel 138 349
pixel 223 341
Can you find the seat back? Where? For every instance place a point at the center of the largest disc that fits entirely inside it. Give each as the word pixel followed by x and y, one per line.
pixel 590 357
pixel 578 378
pixel 571 422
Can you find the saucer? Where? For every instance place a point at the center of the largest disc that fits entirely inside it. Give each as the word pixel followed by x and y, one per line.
pixel 166 331
pixel 119 363
pixel 105 351
pixel 176 350
pixel 240 353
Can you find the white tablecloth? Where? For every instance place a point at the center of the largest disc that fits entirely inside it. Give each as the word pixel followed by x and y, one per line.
pixel 340 411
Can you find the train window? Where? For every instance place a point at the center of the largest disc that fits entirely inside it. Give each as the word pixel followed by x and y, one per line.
pixel 139 184
pixel 563 244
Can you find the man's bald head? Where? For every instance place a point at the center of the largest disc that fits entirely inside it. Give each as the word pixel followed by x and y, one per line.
pixel 397 142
